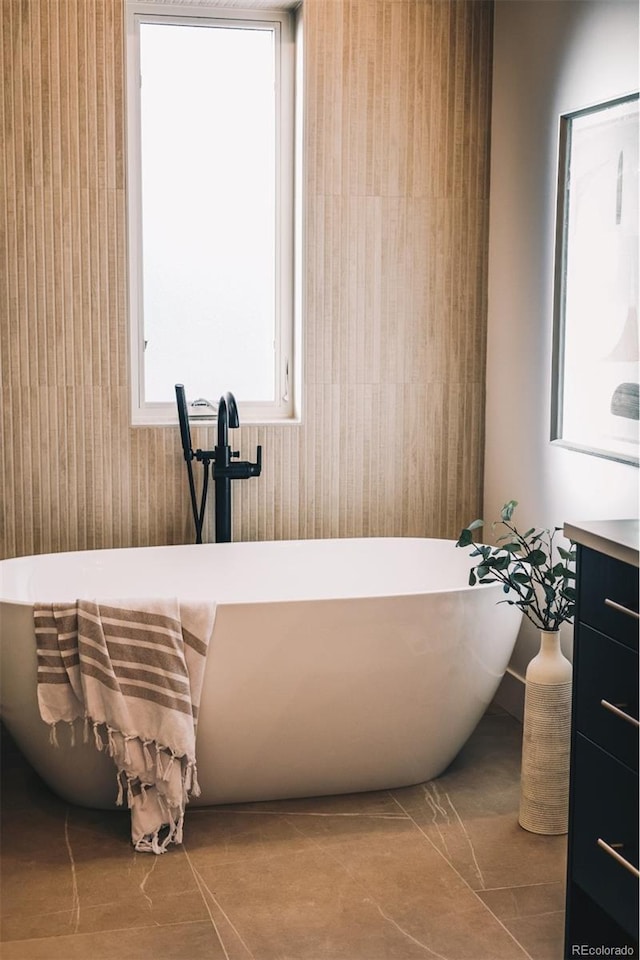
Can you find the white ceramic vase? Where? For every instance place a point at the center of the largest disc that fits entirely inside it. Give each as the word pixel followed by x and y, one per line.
pixel 544 783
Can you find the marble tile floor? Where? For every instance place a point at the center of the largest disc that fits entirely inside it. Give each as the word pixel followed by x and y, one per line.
pixel 438 870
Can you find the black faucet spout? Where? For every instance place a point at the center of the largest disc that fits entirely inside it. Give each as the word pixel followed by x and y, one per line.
pixel 227 418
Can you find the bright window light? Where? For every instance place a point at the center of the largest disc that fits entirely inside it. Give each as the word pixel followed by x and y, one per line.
pixel 211 211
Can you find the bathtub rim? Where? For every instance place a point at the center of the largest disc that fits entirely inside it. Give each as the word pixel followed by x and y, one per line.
pixel 459 588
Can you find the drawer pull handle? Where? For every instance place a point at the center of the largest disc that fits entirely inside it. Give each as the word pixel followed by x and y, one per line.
pixel 619 713
pixel 616 856
pixel 621 609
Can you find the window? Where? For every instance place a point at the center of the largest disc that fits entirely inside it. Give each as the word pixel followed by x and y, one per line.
pixel 210 98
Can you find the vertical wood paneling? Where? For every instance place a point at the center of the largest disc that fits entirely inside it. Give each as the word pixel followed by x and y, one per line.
pixel 397 104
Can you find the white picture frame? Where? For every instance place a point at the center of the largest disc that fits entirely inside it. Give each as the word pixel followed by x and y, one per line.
pixel 596 369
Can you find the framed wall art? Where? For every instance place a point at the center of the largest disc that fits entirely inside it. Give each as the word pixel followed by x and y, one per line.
pixel 595 401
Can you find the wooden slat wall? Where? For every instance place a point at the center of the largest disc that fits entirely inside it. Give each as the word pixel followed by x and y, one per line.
pixel 397 107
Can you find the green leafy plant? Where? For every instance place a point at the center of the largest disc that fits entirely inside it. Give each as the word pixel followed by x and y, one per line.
pixel 526 564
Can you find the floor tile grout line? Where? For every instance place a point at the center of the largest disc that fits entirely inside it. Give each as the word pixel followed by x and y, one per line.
pixel 200 879
pixel 358 882
pixel 474 892
pixel 17 918
pixel 93 933
pixel 300 813
pixel 531 916
pixel 260 858
pixel 75 896
pixel 204 900
pixel 524 886
pixel 7 915
pixel 434 787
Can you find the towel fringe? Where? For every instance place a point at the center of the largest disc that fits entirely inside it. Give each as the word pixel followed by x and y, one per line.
pixel 164 762
pixel 149 844
pixel 165 768
pixel 120 796
pixel 190 779
pixel 195 786
pixel 156 846
pixel 177 833
pixel 106 739
pixel 168 767
pixel 97 736
pixel 53 735
pixel 129 791
pixel 148 759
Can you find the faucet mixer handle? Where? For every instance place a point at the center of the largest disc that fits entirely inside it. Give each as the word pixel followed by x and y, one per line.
pixel 257 466
pixel 239 471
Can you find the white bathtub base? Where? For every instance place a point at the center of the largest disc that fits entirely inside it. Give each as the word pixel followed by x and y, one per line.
pixel 304 697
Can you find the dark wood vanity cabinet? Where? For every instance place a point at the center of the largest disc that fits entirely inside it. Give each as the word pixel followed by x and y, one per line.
pixel 602 877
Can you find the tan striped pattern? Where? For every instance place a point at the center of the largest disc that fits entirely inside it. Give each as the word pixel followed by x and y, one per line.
pixel 133 654
pixel 135 675
pixel 397 102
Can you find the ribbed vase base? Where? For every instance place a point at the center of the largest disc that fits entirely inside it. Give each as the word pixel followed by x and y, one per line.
pixel 544 795
pixel 543 819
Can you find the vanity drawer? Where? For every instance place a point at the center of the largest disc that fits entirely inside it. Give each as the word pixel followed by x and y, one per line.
pixel 608 596
pixel 607 694
pixel 606 811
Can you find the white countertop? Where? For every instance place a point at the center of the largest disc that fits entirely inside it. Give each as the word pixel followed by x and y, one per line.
pixel 615 538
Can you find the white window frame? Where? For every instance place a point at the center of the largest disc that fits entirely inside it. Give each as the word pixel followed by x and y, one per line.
pixel 286 406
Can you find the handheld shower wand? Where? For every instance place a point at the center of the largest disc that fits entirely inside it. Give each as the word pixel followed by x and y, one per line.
pixel 224 471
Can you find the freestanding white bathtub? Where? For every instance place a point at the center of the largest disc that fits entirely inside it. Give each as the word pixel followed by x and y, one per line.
pixel 335 666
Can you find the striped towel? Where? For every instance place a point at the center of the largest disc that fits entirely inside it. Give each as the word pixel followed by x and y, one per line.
pixel 133 670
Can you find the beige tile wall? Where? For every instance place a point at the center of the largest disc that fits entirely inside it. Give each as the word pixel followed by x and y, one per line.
pixel 396 174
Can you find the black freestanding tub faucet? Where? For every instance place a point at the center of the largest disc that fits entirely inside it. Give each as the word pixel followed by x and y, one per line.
pixel 224 471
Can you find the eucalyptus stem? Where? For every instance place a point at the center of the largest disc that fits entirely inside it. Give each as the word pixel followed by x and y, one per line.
pixel 525 565
pixel 535 572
